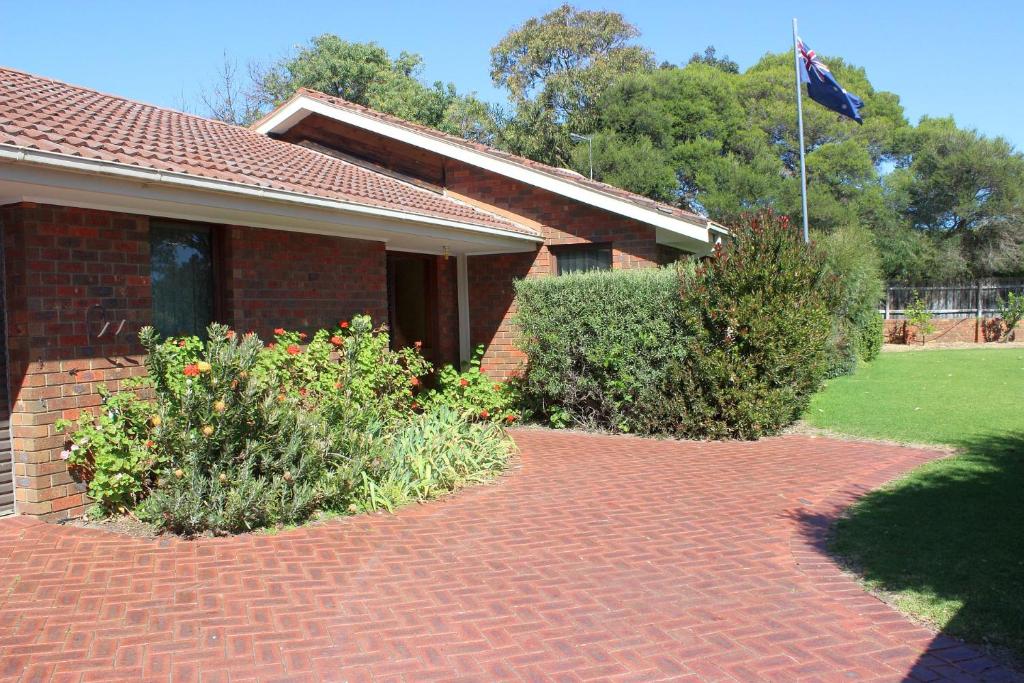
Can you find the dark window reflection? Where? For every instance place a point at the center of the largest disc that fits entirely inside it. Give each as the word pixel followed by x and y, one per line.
pixel 182 277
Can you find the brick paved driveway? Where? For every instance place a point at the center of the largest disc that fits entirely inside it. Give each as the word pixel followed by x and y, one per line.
pixel 604 558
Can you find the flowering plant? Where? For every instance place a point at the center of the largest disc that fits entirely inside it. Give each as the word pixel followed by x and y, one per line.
pixel 113 449
pixel 474 394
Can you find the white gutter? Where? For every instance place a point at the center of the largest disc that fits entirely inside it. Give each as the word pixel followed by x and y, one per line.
pixel 73 163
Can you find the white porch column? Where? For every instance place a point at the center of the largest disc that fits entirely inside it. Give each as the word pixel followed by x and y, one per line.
pixel 462 287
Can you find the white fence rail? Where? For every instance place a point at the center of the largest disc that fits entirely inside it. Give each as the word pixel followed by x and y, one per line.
pixel 951 300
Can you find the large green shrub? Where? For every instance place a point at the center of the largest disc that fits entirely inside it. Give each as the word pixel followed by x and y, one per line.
pixel 760 313
pixel 852 260
pixel 728 348
pixel 597 342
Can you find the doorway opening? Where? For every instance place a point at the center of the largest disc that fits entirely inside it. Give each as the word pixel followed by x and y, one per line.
pixel 412 302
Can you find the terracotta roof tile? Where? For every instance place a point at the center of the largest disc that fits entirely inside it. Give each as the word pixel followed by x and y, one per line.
pixel 563 174
pixel 52 116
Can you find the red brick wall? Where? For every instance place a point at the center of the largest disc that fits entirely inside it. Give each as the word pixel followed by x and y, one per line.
pixel 949 330
pixel 60 262
pixel 561 221
pixel 273 278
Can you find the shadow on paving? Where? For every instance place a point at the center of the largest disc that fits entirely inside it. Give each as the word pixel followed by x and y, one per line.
pixel 949 535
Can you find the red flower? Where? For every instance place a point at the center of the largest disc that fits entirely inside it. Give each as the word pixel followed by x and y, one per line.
pixel 293 350
pixel 230 334
pixel 337 340
pixel 415 405
pixel 302 391
pixel 485 413
pixel 337 385
pixel 510 419
pixel 278 331
pixel 415 381
pixel 191 370
pixel 343 324
pixel 181 343
pixel 418 345
pixel 302 335
pixel 271 345
pixel 150 443
pixel 464 382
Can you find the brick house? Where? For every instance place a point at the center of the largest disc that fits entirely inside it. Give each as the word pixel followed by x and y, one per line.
pixel 117 214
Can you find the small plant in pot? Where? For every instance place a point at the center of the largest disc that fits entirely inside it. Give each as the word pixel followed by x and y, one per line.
pixel 918 320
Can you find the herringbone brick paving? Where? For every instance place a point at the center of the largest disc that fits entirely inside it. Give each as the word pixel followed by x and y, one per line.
pixel 594 558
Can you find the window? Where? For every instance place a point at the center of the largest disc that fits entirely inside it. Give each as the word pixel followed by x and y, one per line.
pixel 583 257
pixel 181 272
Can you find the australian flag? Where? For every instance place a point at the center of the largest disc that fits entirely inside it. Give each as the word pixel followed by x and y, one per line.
pixel 823 88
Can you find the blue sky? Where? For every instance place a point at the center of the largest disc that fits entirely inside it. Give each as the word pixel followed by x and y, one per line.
pixel 942 57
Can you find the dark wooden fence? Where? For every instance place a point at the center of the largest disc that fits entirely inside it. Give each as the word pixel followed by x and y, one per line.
pixel 952 300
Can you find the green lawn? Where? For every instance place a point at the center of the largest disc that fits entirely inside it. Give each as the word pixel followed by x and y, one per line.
pixel 946 542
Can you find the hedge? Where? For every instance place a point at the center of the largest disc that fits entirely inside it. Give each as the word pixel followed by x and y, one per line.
pixel 729 348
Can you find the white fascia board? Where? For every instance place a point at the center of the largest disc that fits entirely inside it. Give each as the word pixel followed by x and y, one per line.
pixel 20 157
pixel 301 106
pixel 48 185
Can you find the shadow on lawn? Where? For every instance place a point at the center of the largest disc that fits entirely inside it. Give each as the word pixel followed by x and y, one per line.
pixel 952 533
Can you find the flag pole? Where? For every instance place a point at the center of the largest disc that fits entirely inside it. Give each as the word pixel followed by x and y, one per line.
pixel 800 126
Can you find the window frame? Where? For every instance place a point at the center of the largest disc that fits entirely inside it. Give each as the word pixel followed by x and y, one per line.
pixel 215 235
pixel 562 250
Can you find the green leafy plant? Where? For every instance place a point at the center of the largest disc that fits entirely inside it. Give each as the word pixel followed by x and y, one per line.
pixel 918 319
pixel 732 347
pixel 1011 312
pixel 597 342
pixel 761 315
pixel 433 454
pixel 232 435
pixel 853 263
pixel 113 449
pixel 473 394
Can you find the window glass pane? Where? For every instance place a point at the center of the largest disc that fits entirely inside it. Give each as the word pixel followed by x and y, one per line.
pixel 182 276
pixel 581 259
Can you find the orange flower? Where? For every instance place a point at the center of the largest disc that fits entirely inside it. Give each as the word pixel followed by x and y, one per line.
pixel 485 413
pixel 150 443
pixel 464 382
pixel 415 381
pixel 271 345
pixel 418 345
pixel 279 331
pixel 510 419
pixel 497 386
pixel 181 343
pixel 337 385
pixel 343 324
pixel 302 335
pixel 230 334
pixel 293 350
pixel 191 370
pixel 415 405
pixel 337 340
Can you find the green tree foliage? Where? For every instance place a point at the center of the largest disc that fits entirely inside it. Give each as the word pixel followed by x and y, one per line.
pixel 363 73
pixel 711 58
pixel 555 67
pixel 967 188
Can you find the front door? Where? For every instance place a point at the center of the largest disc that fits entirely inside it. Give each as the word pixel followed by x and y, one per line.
pixel 412 302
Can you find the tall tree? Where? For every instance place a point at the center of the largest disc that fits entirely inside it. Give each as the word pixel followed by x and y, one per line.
pixel 555 67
